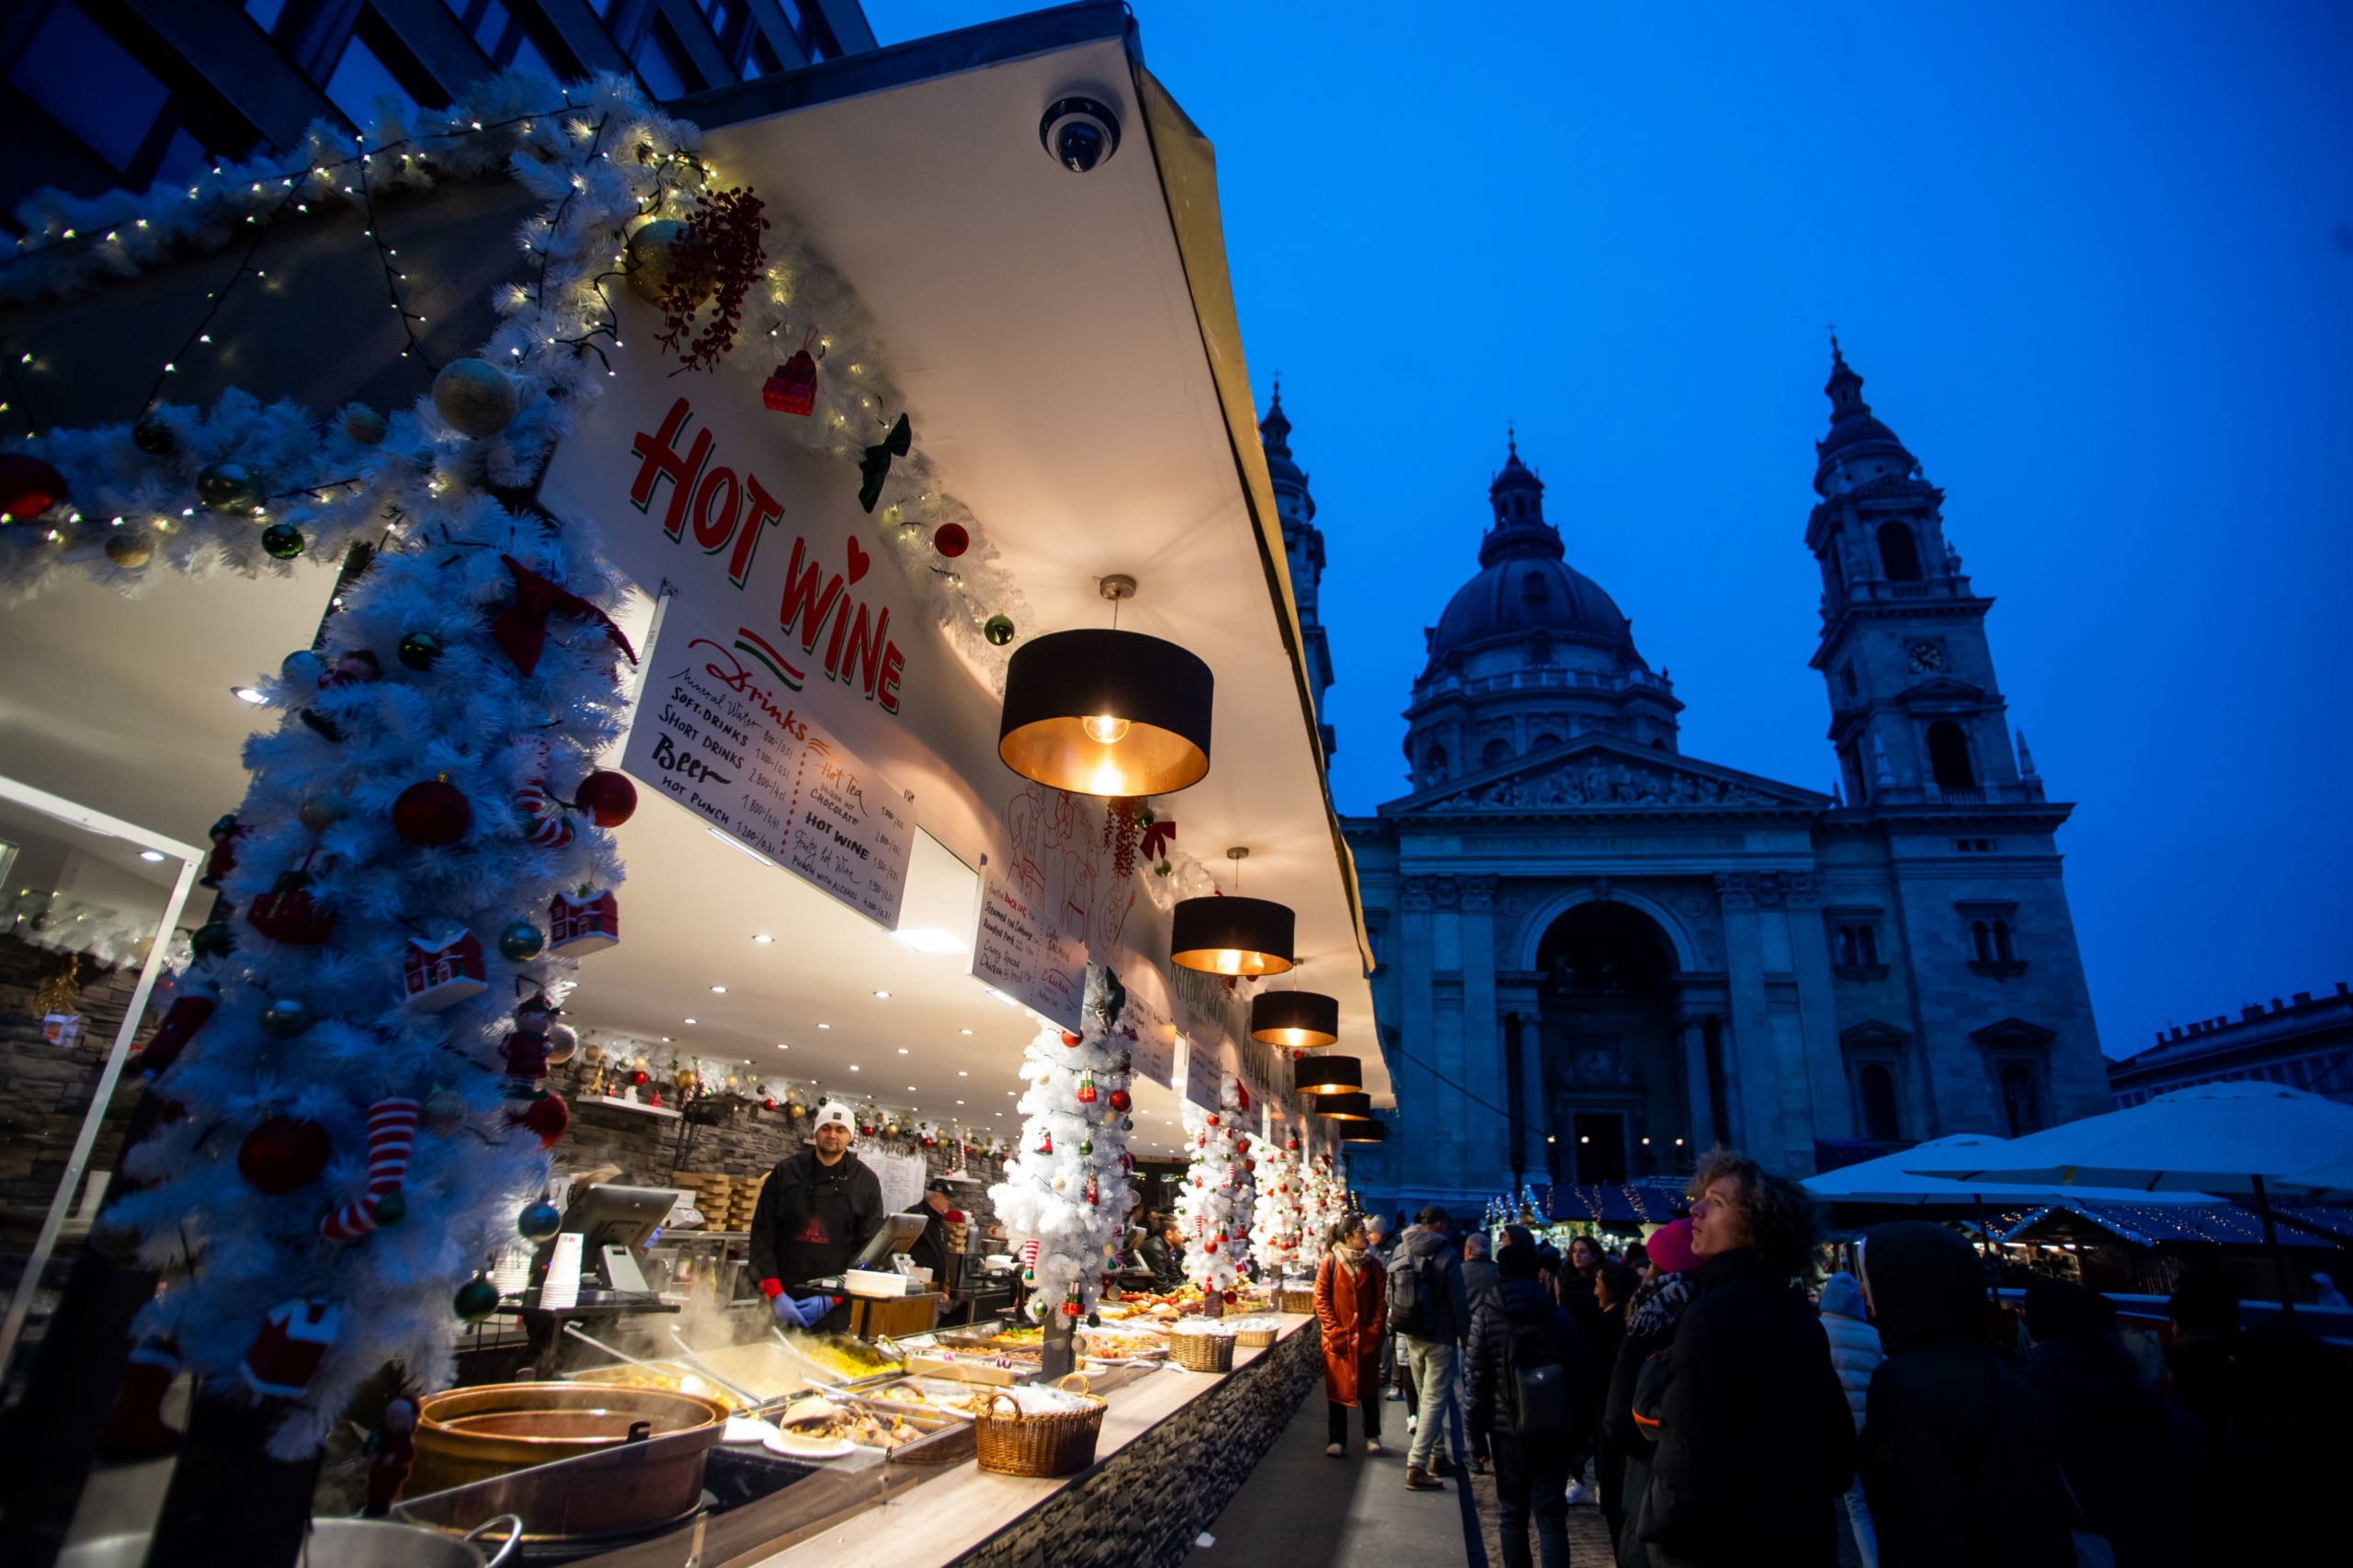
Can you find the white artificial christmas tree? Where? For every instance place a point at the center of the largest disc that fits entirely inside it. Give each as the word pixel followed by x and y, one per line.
pixel 1324 1203
pixel 1214 1209
pixel 1276 1222
pixel 1065 1197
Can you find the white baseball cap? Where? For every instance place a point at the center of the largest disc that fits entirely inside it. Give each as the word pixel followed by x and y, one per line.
pixel 833 1111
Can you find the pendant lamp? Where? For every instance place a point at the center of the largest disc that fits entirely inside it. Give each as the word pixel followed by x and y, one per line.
pixel 1364 1133
pixel 1107 712
pixel 1300 1019
pixel 1355 1107
pixel 1232 936
pixel 1327 1075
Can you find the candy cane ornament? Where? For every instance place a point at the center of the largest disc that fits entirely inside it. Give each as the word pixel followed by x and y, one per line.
pixel 391 1136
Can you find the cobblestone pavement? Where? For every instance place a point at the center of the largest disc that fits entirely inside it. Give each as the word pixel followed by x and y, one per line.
pixel 1588 1537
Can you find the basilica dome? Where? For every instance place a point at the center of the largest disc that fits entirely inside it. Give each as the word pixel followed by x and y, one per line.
pixel 1526 595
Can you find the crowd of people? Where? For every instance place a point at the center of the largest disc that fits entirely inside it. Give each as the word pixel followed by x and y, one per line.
pixel 1723 1403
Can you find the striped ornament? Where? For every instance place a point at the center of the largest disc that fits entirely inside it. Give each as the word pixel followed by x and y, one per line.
pixel 391 1135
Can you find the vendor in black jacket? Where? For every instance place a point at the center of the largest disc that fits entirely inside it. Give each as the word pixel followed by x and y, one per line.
pixel 817 1208
pixel 930 1250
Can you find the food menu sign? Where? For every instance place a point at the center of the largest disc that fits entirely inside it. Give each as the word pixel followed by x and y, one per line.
pixel 716 732
pixel 1021 950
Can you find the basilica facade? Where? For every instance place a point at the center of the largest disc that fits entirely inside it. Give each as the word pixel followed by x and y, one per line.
pixel 1597 955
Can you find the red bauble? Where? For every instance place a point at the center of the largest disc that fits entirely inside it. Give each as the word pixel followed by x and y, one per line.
pixel 432 814
pixel 283 1154
pixel 28 486
pixel 1122 1100
pixel 641 1078
pixel 1069 1039
pixel 610 799
pixel 547 1116
pixel 950 540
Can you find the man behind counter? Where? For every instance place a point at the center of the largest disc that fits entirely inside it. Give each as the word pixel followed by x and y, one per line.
pixel 930 1250
pixel 816 1210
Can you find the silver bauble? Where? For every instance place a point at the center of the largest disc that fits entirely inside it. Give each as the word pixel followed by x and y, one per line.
pixel 474 397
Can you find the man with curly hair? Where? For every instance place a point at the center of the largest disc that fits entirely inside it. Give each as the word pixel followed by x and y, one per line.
pixel 1755 1443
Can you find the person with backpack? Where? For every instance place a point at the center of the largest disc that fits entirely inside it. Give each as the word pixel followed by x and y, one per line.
pixel 1651 1322
pixel 1431 1312
pixel 1352 1308
pixel 1854 1352
pixel 1526 1386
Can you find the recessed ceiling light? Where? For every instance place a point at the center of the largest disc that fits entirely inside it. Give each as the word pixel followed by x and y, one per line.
pixel 763 937
pixel 911 1089
pixel 903 1051
pixel 961 1074
pixel 959 1102
pixel 688 1020
pixel 964 1031
pixel 781 1046
pixel 884 995
pixel 853 1066
pixel 151 856
pixel 248 694
pixel 719 991
pixel 825 1026
pixel 665 1040
pixel 1008 1094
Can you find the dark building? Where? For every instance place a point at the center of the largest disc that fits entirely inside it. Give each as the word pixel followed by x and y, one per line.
pixel 105 92
pixel 2305 1042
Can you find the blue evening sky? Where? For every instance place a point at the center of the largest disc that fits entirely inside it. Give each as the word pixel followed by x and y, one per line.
pixel 2096 263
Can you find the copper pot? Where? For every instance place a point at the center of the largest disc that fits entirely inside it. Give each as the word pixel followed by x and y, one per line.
pixel 469 1434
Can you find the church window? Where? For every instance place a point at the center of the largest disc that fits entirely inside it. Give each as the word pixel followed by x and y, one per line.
pixel 1434 766
pixel 2002 950
pixel 1847 675
pixel 1547 742
pixel 2021 1098
pixel 1867 944
pixel 1899 553
pixel 1497 750
pixel 1846 945
pixel 1875 1087
pixel 1981 937
pixel 1948 756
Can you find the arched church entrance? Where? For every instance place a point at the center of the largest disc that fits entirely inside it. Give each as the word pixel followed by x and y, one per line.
pixel 1614 1101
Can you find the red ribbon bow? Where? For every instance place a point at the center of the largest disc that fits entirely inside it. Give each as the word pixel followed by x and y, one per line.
pixel 1156 840
pixel 522 630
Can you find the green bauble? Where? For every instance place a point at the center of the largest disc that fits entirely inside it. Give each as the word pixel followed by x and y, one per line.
pixel 1085 1148
pixel 231 488
pixel 521 942
pixel 475 1299
pixel 998 630
pixel 281 542
pixel 538 1221
pixel 474 397
pixel 213 939
pixel 419 649
pixel 155 437
pixel 391 1209
pixel 285 1018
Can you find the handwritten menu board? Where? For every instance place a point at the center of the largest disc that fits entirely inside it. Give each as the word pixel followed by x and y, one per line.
pixel 1201 1073
pixel 1149 1036
pixel 717 732
pixel 1021 950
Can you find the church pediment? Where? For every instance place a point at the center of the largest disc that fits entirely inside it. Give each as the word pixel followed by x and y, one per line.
pixel 1943 692
pixel 1599 774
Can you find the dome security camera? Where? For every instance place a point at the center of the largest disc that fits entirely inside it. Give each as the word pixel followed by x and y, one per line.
pixel 1079 133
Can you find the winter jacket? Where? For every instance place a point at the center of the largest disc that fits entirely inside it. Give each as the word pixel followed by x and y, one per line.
pixel 1957 1459
pixel 1511 1303
pixel 811 1219
pixel 2141 1468
pixel 1651 1322
pixel 1853 1344
pixel 1755 1444
pixel 1353 1312
pixel 1480 1278
pixel 1446 1306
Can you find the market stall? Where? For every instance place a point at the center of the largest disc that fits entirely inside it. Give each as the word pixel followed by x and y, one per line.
pixel 685 753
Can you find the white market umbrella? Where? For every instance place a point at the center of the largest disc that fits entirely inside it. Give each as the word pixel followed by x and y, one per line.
pixel 2333 1178
pixel 1885 1180
pixel 2229 1138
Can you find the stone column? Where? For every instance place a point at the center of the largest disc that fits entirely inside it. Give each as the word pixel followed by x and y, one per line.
pixel 1418 1094
pixel 1748 1044
pixel 1698 1095
pixel 1826 1066
pixel 1486 1134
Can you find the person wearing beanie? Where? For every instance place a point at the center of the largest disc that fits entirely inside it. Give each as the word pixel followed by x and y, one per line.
pixel 2142 1469
pixel 1517 1330
pixel 1855 1353
pixel 1957 1457
pixel 1651 1319
pixel 817 1208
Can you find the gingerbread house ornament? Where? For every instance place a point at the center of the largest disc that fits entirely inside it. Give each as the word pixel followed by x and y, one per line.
pixel 441 971
pixel 586 925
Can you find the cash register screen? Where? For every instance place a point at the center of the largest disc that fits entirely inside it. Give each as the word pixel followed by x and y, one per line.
pixel 898 1233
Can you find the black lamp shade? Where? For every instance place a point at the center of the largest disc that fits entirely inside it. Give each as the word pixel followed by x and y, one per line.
pixel 1100 713
pixel 1364 1133
pixel 1355 1107
pixel 1327 1075
pixel 1300 1019
pixel 1232 936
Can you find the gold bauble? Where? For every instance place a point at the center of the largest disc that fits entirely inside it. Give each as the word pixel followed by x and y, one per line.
pixel 364 425
pixel 474 397
pixel 129 550
pixel 654 261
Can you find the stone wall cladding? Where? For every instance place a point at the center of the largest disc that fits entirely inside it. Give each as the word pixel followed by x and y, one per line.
pixel 1142 1507
pixel 47 1091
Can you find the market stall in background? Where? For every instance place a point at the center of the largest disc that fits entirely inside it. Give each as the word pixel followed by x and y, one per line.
pixel 776 675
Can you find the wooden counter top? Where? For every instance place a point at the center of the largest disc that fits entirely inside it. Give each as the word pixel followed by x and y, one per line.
pixel 946 1517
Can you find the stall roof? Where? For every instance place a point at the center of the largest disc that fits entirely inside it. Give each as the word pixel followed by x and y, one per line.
pixel 2150 1224
pixel 1645 1203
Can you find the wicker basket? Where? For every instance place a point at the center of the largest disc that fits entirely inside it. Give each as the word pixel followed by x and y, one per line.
pixel 1054 1443
pixel 1257 1337
pixel 1296 1299
pixel 1203 1352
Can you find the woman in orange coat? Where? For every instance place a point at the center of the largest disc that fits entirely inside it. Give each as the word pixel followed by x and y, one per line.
pixel 1352 1304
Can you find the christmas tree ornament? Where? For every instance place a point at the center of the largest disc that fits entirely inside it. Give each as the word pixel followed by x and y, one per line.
pixel 433 814
pixel 392 1452
pixel 286 1016
pixel 130 550
pixel 547 1116
pixel 294 1338
pixel 283 1155
pixel 137 1425
pixel 364 425
pixel 281 542
pixel 1086 1088
pixel 445 1110
pixel 952 539
pixel 155 437
pixel 320 813
pixel 186 1015
pixel 564 1042
pixel 791 387
pixel 538 1221
pixel 418 650
pixel 475 1299
pixel 392 1138
pixel 28 486
pixel 474 397
pixel 213 939
pixel 1087 1148
pixel 232 489
pixel 662 255
pixel 586 923
pixel 608 798
pixel 997 629
pixel 289 915
pixel 221 859
pixel 527 1048
pixel 1122 1100
pixel 439 971
pixel 874 465
pixel 521 942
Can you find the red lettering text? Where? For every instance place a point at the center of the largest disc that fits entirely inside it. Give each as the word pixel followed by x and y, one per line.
pixel 762 513
pixel 663 462
pixel 801 600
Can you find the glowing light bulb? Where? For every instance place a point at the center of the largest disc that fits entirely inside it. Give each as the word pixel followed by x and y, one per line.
pixel 1104 729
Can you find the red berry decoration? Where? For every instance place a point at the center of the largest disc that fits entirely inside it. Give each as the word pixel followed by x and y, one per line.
pixel 283 1154
pixel 950 540
pixel 610 799
pixel 432 814
pixel 547 1116
pixel 28 486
